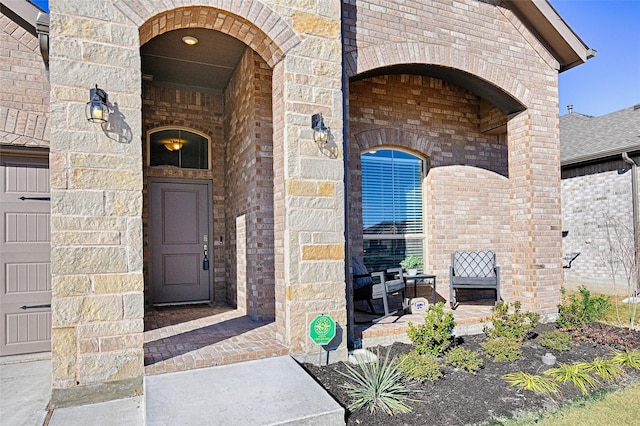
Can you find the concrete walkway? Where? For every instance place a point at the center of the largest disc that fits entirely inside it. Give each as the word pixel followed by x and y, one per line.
pixel 25 388
pixel 270 391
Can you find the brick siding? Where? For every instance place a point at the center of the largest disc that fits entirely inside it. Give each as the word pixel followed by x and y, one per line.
pixel 593 196
pixel 24 98
pixel 249 182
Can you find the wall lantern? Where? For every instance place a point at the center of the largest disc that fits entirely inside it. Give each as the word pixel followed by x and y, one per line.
pixel 320 132
pixel 97 110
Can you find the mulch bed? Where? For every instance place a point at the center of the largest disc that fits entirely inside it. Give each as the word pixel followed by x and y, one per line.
pixel 460 398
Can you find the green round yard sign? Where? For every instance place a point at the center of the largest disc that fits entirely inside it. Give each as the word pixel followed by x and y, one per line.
pixel 322 329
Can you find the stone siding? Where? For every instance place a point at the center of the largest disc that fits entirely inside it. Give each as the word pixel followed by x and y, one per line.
pixel 96 194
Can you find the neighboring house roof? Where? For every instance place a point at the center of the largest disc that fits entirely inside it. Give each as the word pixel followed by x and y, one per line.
pixel 584 138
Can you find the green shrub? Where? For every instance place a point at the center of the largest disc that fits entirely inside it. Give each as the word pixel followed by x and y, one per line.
pixel 558 340
pixel 607 369
pixel 579 374
pixel 419 367
pixel 411 262
pixel 514 326
pixel 629 359
pixel 435 336
pixel 503 349
pixel 582 308
pixel 530 382
pixel 466 359
pixel 378 385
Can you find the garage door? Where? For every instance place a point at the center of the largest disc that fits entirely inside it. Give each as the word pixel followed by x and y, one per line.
pixel 25 279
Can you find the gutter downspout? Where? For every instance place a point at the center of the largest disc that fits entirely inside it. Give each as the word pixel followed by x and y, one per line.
pixel 345 131
pixel 42 30
pixel 636 219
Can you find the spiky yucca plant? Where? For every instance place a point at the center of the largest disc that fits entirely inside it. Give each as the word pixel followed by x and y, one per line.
pixel 607 369
pixel 531 382
pixel 378 385
pixel 578 374
pixel 628 358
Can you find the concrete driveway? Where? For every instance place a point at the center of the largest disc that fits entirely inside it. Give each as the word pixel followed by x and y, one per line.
pixel 25 389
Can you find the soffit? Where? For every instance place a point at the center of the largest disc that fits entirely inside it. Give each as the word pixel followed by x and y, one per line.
pixel 484 89
pixel 208 64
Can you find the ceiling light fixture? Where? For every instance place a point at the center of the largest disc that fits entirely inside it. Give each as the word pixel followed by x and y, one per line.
pixel 174 144
pixel 190 40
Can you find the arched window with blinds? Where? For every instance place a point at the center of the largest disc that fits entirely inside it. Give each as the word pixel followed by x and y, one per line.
pixel 392 208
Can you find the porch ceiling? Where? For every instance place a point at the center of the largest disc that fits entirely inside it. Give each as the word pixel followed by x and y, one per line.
pixel 207 64
pixel 480 87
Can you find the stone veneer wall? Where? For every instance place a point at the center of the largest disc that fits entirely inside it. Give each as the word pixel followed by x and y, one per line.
pixel 249 183
pixel 593 196
pixel 201 110
pixel 96 207
pixel 97 181
pixel 24 93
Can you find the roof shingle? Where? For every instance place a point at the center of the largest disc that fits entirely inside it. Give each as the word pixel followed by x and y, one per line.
pixel 585 138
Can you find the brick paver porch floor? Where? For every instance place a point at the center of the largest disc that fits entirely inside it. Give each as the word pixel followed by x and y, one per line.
pixel 180 338
pixel 185 337
pixel 468 317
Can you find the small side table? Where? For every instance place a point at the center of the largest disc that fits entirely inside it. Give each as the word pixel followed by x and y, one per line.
pixel 422 277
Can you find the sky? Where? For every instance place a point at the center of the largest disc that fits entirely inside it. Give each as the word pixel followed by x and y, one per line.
pixel 608 82
pixel 611 80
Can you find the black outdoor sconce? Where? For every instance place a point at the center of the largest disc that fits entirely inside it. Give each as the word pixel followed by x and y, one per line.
pixel 320 131
pixel 97 109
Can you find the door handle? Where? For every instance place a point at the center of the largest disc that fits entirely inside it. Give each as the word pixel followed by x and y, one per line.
pixel 205 261
pixel 25 307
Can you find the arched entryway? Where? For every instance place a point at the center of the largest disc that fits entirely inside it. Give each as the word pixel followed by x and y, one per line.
pixel 208 222
pixel 457 122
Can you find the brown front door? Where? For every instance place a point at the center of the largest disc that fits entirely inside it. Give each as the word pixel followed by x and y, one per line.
pixel 179 224
pixel 25 277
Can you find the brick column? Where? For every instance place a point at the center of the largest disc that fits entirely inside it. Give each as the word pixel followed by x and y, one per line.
pixel 96 208
pixel 536 223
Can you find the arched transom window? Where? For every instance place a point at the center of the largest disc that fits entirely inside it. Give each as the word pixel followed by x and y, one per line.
pixel 178 147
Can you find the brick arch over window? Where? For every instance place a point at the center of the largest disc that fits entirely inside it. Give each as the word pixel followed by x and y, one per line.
pixel 251 22
pixel 371 139
pixel 464 68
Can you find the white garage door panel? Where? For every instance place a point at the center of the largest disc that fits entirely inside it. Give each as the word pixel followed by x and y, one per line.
pixel 25 274
pixel 28 328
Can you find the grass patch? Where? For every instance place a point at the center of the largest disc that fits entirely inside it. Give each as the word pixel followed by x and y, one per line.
pixel 621 315
pixel 619 407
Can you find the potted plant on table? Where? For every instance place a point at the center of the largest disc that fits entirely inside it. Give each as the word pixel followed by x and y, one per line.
pixel 411 264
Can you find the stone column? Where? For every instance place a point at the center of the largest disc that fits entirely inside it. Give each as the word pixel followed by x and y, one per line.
pixel 309 192
pixel 96 207
pixel 536 222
